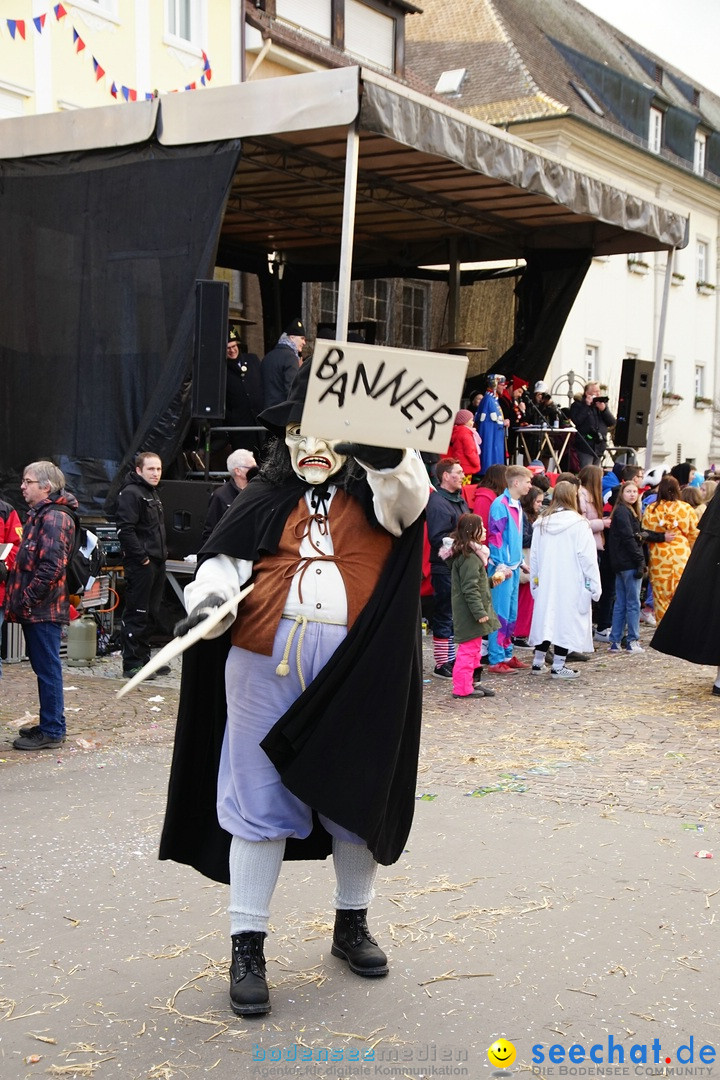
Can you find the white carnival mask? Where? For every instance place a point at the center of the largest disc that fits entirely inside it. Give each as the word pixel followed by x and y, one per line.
pixel 313 459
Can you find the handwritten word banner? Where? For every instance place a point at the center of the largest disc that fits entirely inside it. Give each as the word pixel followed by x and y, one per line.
pixel 384 397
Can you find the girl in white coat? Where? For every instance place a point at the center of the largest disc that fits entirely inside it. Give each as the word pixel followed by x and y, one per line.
pixel 564 580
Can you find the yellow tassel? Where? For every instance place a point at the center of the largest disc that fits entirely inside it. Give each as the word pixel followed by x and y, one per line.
pixel 282 669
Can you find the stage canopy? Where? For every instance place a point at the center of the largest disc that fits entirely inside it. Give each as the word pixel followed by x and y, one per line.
pixel 110 215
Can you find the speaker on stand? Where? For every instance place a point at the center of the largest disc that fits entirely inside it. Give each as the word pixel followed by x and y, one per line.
pixel 209 359
pixel 634 400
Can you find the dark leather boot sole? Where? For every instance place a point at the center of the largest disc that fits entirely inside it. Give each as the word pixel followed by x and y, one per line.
pixel 259 1009
pixel 366 972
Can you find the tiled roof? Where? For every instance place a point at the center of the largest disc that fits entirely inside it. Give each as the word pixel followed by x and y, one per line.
pixel 521 56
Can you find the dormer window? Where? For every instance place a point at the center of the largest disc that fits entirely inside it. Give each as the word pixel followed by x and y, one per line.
pixel 699 153
pixel 655 130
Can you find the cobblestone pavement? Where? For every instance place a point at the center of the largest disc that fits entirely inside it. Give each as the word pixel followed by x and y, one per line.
pixel 638 732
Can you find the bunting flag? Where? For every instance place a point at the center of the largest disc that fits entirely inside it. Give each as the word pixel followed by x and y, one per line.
pixel 17 28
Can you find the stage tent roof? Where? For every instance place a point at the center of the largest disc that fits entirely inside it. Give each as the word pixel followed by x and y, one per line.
pixel 427 173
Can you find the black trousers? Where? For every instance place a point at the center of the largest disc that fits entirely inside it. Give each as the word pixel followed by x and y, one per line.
pixel 143 596
pixel 603 609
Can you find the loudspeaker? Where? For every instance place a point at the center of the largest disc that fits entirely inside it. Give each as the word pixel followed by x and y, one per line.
pixel 633 411
pixel 185 504
pixel 211 337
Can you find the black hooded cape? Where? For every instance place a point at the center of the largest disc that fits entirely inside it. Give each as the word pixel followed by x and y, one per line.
pixel 348 746
pixel 690 628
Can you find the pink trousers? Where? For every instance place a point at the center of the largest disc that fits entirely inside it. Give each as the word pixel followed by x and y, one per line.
pixel 466 660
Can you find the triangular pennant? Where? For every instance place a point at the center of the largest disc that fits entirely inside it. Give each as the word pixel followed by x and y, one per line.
pixel 202 80
pixel 191 86
pixel 99 71
pixel 79 43
pixel 208 74
pixel 113 90
pixel 39 21
pixel 149 97
pixel 60 12
pixel 125 91
pixel 132 94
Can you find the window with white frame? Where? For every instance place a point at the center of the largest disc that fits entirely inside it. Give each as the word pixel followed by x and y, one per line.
pixel 667 377
pixel 591 363
pixel 699 154
pixel 655 130
pixel 315 16
pixel 11 103
pixel 413 317
pixel 328 302
pixel 376 307
pixel 183 19
pixel 699 380
pixel 703 260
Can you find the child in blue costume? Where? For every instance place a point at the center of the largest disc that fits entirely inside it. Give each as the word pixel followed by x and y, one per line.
pixel 505 543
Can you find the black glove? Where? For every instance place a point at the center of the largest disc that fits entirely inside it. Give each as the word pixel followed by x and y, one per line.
pixel 376 457
pixel 3 572
pixel 640 572
pixel 198 614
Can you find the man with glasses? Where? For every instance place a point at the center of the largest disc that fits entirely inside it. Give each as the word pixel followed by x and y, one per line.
pixel 241 465
pixel 37 595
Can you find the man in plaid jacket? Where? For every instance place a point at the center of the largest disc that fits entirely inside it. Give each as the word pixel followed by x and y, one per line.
pixel 37 595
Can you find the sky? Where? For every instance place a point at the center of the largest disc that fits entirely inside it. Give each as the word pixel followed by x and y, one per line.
pixel 686 33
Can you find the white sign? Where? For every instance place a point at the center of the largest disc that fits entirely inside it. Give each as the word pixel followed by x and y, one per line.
pixel 383 397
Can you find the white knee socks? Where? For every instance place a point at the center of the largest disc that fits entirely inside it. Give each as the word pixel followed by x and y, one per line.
pixel 254 870
pixel 355 870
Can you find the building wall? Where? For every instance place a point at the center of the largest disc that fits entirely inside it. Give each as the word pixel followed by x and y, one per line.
pixel 130 40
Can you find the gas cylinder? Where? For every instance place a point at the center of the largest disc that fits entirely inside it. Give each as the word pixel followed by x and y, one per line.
pixel 82 639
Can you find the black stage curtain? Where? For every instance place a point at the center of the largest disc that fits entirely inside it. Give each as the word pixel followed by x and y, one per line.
pixel 101 251
pixel 545 294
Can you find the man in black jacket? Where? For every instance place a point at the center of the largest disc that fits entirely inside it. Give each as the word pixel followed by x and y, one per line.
pixel 444 509
pixel 280 365
pixel 593 419
pixel 141 528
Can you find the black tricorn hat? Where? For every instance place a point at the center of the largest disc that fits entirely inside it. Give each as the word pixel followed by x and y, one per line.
pixel 295 329
pixel 277 417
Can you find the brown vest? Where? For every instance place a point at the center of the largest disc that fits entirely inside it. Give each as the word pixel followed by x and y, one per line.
pixel 361 551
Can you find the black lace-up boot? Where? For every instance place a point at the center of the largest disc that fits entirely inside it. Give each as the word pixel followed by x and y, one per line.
pixel 248 988
pixel 353 942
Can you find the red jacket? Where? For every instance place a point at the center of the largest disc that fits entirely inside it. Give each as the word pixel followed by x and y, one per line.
pixel 464 448
pixel 10 533
pixel 37 587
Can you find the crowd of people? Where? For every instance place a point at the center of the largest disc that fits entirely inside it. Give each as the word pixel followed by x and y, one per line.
pixel 573 560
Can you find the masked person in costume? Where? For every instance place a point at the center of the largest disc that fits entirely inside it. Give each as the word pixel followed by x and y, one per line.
pixel 319 753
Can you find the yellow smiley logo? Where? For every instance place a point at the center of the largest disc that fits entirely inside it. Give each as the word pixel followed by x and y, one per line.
pixel 501 1053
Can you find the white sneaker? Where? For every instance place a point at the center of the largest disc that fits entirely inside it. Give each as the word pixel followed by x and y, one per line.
pixel 602 635
pixel 565 673
pixel 634 646
pixel 648 617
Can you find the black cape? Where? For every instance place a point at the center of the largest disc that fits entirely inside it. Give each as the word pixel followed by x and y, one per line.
pixel 348 746
pixel 690 628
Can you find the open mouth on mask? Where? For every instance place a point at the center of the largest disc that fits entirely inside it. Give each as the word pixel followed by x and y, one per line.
pixel 314 462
